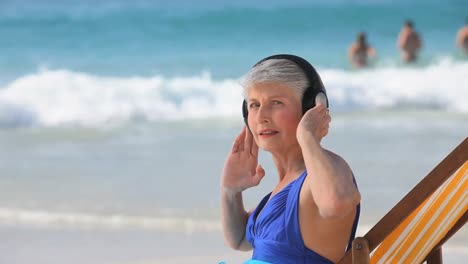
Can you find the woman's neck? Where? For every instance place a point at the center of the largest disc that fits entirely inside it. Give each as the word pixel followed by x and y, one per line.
pixel 289 164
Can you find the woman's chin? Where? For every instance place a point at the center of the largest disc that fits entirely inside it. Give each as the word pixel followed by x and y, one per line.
pixel 270 148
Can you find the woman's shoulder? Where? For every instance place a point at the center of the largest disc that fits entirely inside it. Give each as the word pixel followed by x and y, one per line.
pixel 338 160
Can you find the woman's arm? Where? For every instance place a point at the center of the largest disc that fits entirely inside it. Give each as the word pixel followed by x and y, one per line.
pixel 234 219
pixel 330 179
pixel 241 171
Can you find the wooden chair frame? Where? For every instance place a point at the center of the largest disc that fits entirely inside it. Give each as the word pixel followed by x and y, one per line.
pixel 363 246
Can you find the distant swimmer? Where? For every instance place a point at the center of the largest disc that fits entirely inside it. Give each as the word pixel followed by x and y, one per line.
pixel 360 50
pixel 409 42
pixel 462 38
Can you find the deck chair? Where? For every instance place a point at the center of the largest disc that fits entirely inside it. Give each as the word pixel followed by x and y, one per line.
pixel 416 228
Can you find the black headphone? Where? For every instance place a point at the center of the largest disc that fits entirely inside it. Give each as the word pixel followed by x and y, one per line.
pixel 315 92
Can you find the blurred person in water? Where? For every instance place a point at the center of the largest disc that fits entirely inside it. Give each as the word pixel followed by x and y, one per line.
pixel 360 51
pixel 409 42
pixel 462 38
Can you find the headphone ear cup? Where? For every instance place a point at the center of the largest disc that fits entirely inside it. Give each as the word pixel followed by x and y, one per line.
pixel 321 97
pixel 245 112
pixel 308 100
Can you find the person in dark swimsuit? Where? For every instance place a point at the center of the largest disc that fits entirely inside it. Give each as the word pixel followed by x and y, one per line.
pixel 360 51
pixel 312 213
pixel 409 42
pixel 462 38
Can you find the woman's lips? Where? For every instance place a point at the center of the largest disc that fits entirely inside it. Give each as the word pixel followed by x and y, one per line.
pixel 267 133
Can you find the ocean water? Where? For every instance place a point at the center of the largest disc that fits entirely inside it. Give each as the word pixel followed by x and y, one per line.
pixel 116 117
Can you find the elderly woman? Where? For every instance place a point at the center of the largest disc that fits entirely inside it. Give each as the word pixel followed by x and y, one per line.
pixel 312 213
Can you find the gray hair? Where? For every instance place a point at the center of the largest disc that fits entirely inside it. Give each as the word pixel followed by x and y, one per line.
pixel 277 71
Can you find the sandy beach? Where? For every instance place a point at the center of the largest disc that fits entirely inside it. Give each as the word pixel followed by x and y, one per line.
pixel 59 245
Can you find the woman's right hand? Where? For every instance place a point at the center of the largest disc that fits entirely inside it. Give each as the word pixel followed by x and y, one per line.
pixel 241 169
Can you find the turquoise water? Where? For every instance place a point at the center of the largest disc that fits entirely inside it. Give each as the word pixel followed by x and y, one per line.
pixel 86 63
pixel 182 38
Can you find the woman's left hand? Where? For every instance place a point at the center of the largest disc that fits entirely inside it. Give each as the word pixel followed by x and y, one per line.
pixel 314 124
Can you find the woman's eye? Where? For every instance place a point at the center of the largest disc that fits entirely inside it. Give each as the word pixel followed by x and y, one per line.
pixel 254 105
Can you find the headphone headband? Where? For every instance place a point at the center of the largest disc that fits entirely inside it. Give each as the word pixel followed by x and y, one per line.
pixel 306 67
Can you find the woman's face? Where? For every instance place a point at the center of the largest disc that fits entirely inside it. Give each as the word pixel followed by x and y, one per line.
pixel 274 113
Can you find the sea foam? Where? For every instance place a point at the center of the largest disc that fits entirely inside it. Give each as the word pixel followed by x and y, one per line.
pixel 64 97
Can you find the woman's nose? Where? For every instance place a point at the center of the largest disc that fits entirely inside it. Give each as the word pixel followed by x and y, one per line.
pixel 263 114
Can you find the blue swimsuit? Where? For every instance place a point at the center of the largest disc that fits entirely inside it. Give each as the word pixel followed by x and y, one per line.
pixel 273 229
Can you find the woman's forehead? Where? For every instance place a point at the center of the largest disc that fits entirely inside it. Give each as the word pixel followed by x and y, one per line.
pixel 270 89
